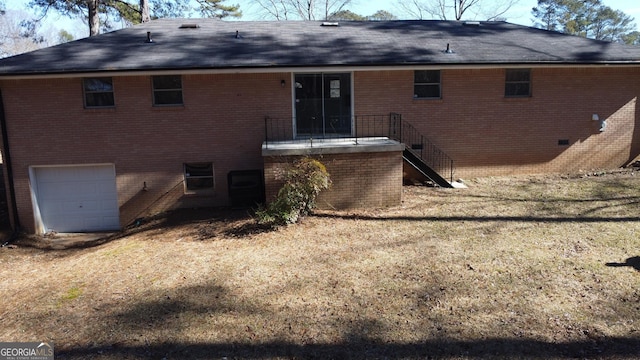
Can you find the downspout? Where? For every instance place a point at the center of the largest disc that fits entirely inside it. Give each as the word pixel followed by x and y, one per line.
pixel 6 155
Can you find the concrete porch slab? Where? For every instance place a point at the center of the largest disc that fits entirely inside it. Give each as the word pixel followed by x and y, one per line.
pixel 331 146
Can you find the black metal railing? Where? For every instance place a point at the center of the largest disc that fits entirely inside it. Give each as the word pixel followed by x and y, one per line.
pixel 420 146
pixel 356 128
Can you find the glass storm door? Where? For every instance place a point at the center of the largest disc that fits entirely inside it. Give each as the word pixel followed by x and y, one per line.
pixel 323 105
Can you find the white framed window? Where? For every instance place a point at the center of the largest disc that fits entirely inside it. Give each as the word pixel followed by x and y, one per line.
pixel 198 178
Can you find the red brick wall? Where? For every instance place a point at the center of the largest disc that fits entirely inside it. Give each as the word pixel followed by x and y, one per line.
pixel 360 180
pixel 222 122
pixel 488 134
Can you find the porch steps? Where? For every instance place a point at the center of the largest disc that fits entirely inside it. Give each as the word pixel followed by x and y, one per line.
pixel 417 163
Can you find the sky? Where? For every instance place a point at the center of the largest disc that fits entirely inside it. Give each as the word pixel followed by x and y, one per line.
pixel 518 14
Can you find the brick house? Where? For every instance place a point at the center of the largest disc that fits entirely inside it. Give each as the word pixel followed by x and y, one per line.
pixel 192 112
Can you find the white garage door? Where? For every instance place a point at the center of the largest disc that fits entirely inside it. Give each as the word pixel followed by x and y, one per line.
pixel 77 198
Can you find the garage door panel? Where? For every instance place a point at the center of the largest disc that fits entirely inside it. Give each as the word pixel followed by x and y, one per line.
pixel 77 198
pixel 68 207
pixel 86 189
pixel 62 222
pixel 104 186
pixel 93 222
pixel 91 206
pixel 80 207
pixel 53 190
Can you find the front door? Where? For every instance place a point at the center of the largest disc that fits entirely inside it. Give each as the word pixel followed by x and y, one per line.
pixel 323 105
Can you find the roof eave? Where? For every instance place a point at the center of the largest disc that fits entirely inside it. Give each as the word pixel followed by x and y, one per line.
pixel 314 68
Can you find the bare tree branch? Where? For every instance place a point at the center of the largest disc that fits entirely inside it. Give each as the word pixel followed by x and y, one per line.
pixel 19 34
pixel 455 9
pixel 412 8
pixel 301 9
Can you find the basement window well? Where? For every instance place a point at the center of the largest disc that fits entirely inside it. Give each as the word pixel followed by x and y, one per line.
pixel 198 178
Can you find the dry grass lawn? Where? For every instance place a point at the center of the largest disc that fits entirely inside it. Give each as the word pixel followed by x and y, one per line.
pixel 532 267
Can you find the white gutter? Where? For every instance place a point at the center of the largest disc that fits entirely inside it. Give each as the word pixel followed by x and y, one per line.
pixel 302 69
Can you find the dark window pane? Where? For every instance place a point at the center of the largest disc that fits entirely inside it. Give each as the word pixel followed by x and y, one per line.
pixel 167 90
pixel 99 99
pixel 518 74
pixel 98 92
pixel 426 91
pixel 167 82
pixel 198 176
pixel 199 183
pixel 517 89
pixel 198 169
pixel 518 82
pixel 426 84
pixel 309 86
pixel 167 97
pixel 98 85
pixel 426 76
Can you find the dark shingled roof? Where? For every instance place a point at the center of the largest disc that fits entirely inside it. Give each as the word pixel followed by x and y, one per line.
pixel 215 45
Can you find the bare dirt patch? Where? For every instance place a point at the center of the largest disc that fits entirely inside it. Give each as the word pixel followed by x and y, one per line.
pixel 525 267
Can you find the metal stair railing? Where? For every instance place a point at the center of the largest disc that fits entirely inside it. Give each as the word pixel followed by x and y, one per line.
pixel 392 126
pixel 421 147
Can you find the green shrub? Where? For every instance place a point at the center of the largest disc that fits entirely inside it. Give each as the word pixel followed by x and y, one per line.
pixel 303 181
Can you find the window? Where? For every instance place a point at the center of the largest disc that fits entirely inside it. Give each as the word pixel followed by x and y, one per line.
pixel 198 178
pixel 167 90
pixel 426 84
pixel 98 92
pixel 518 83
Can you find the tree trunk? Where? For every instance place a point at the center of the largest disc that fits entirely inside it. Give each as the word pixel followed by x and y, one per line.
pixel 94 20
pixel 144 11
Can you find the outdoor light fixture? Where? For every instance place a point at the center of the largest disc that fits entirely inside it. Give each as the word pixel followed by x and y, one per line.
pixel 603 123
pixel 283 83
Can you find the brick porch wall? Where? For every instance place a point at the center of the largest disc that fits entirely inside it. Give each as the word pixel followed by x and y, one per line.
pixel 360 180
